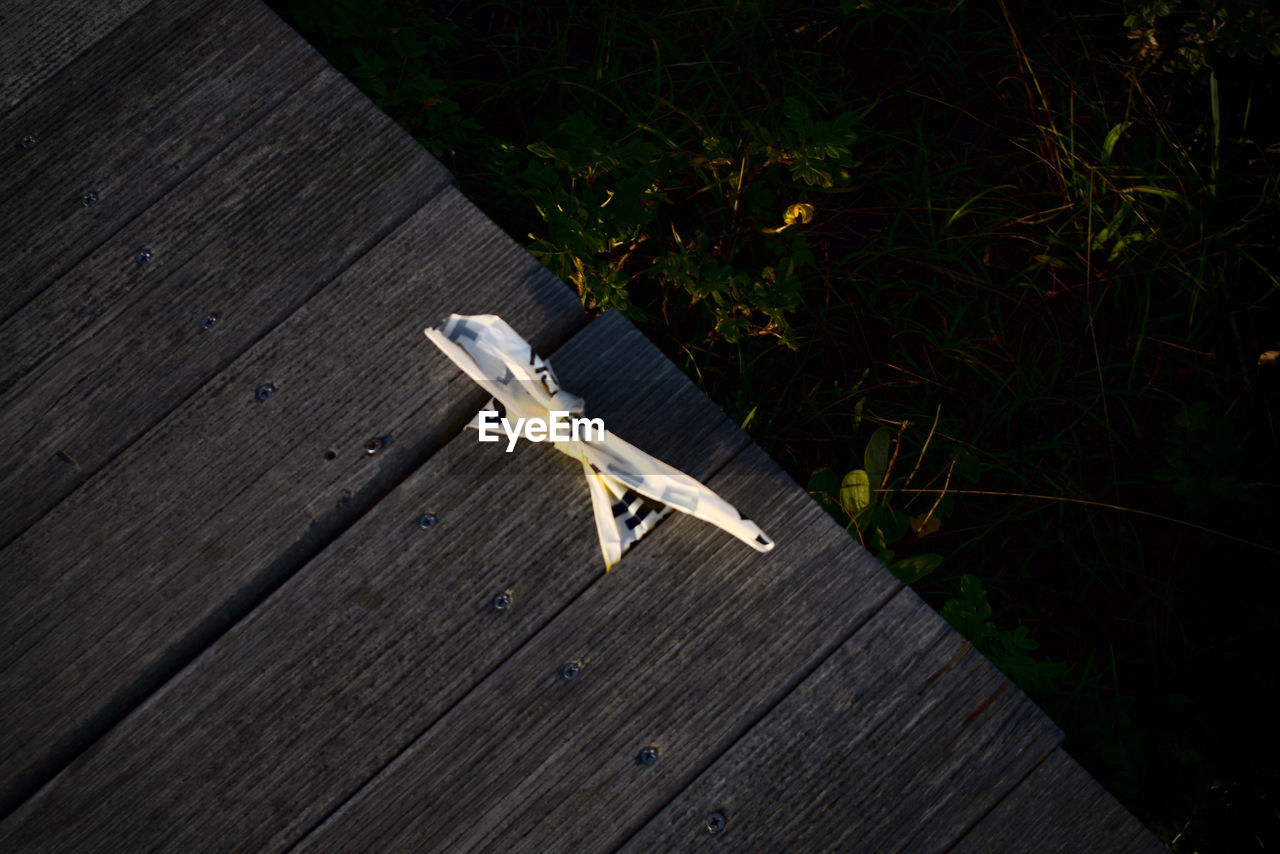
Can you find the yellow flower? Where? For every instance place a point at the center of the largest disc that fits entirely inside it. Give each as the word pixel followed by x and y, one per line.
pixel 801 213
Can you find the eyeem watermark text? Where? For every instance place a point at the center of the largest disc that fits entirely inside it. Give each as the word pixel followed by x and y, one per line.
pixel 560 428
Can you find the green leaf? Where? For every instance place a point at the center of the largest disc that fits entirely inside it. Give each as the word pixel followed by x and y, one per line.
pixel 541 149
pixel 1124 242
pixel 911 569
pixel 795 111
pixel 1022 641
pixel 1172 195
pixel 970 612
pixel 971 590
pixel 946 506
pixel 1113 136
pixel 876 457
pixel 827 502
pixel 824 481
pixel 1112 228
pixel 371 64
pixel 891 524
pixel 406 42
pixel 855 492
pixel 810 171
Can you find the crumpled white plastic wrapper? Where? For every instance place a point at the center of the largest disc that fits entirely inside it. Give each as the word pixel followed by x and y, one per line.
pixel 620 476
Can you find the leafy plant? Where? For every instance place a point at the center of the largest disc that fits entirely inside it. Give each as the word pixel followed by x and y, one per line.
pixel 861 503
pixel 630 209
pixel 1198 462
pixel 1185 34
pixel 1010 650
pixel 384 48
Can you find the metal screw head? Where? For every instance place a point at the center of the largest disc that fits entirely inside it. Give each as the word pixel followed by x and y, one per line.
pixel 210 321
pixel 427 520
pixel 373 445
pixel 29 141
pixel 144 257
pixel 89 199
pixel 264 391
pixel 571 670
pixel 502 601
pixel 716 822
pixel 648 756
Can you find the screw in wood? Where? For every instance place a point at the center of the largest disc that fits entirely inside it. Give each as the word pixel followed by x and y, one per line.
pixel 716 822
pixel 210 321
pixel 427 520
pixel 502 601
pixel 648 755
pixel 89 199
pixel 29 141
pixel 571 670
pixel 373 445
pixel 264 391
pixel 143 258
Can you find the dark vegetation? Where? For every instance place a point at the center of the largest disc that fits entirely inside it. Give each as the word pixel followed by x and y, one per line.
pixel 998 281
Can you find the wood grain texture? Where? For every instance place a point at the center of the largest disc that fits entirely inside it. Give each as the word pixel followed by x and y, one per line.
pixel 330 678
pixel 1059 809
pixel 900 741
pixel 38 37
pixel 683 646
pixel 121 583
pixel 130 119
pixel 249 237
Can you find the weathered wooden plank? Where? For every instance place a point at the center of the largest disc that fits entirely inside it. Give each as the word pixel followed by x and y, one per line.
pixel 38 37
pixel 1059 809
pixel 118 585
pixel 683 647
pixel 129 120
pixel 900 741
pixel 316 690
pixel 248 238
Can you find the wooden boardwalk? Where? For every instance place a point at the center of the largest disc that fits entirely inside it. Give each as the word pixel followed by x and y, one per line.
pixel 223 627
